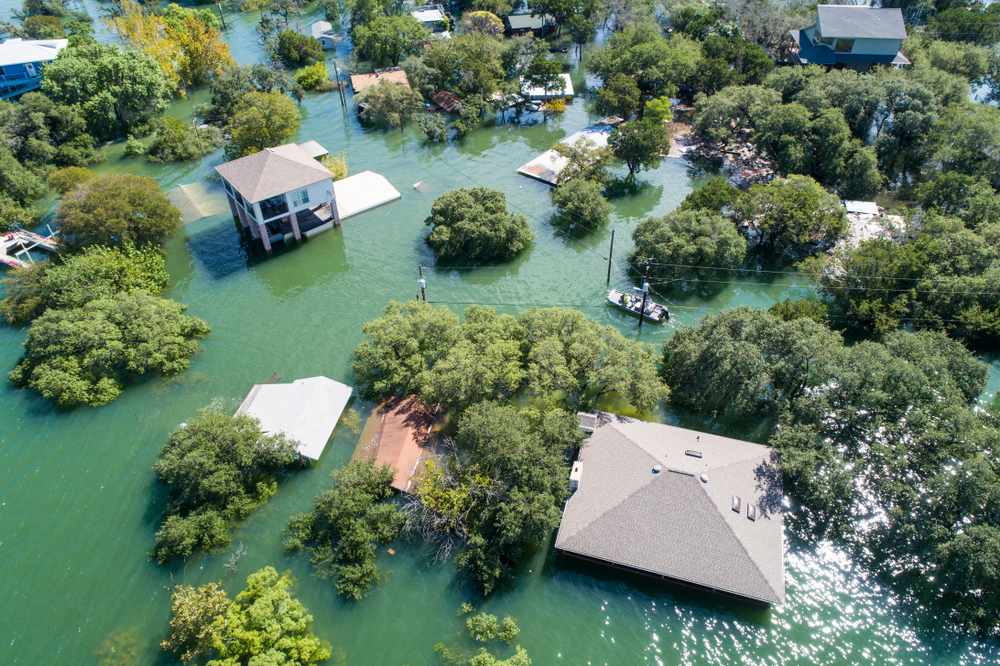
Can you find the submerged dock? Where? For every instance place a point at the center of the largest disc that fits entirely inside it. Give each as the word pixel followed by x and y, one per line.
pixel 19 242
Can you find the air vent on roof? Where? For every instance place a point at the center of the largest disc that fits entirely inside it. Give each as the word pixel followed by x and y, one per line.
pixel 656 469
pixel 704 478
pixel 737 504
pixel 693 454
pixel 752 512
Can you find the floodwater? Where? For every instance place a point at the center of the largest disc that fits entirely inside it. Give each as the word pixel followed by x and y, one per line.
pixel 77 496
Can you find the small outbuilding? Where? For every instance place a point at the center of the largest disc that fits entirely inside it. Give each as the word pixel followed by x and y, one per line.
pixel 447 101
pixel 307 410
pixel 403 438
pixel 677 504
pixel 433 17
pixel 323 32
pixel 539 25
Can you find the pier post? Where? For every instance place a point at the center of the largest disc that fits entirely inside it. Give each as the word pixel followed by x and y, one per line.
pixel 295 227
pixel 243 217
pixel 232 206
pixel 263 237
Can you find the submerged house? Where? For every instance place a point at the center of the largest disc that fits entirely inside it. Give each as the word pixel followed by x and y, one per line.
pixel 281 192
pixel 680 505
pixel 539 25
pixel 852 37
pixel 323 32
pixel 21 63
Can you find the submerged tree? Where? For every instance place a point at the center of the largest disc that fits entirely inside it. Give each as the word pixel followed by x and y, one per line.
pixel 474 224
pixel 687 244
pixel 580 201
pixel 259 121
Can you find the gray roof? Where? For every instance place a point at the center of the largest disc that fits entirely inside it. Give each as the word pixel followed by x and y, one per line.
pixel 273 171
pixel 671 523
pixel 855 22
pixel 532 21
pixel 322 29
pixel 307 410
pixel 17 51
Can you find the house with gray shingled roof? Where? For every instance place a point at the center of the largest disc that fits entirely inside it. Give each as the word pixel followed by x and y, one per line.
pixel 681 505
pixel 852 37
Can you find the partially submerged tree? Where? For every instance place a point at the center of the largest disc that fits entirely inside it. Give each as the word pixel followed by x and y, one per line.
pixel 389 39
pixel 792 215
pixel 641 144
pixel 217 469
pixel 580 201
pixel 259 121
pixel 347 524
pixel 687 245
pixel 297 50
pixel 474 224
pixel 230 88
pixel 388 103
pixel 84 356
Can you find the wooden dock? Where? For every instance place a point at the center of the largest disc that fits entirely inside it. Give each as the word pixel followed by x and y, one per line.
pixel 16 242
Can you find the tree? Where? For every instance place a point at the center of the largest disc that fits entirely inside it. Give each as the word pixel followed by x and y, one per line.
pixel 348 523
pixel 40 132
pixel 729 113
pixel 44 27
pixel 98 272
pixel 580 201
pixel 146 32
pixel 217 470
pixel 586 160
pixel 482 21
pixel 791 214
pixel 620 96
pixel 959 140
pixel 470 64
pixel 204 53
pixel 115 90
pixel 83 356
pixel 235 82
pixel 388 39
pixel 543 72
pixel 658 66
pixel 259 121
pixel 640 144
pixel 581 29
pixel 312 77
pixel 978 24
pixel 296 50
pixel 13 212
pixel 194 613
pixel 116 210
pixel 266 625
pixel 68 178
pixel 179 142
pixel 687 245
pixel 474 224
pixel 17 181
pixel 715 195
pixel 388 102
pixel 658 111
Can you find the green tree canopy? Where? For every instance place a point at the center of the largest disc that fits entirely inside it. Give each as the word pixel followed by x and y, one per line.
pixel 235 82
pixel 179 142
pixel 84 355
pixel 259 121
pixel 115 90
pixel 297 50
pixel 585 160
pixel 790 214
pixel 39 131
pixel 116 210
pixel 620 96
pixel 475 224
pixel 715 195
pixel 217 469
pixel 640 144
pixel 580 201
pixel 388 103
pixel 66 179
pixel 686 245
pixel 389 39
pixel 347 524
pixel 99 272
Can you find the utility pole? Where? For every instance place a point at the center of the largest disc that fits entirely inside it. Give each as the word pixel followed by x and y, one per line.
pixel 423 283
pixel 610 252
pixel 343 101
pixel 222 16
pixel 645 292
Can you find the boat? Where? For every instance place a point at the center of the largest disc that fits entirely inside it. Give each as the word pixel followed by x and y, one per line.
pixel 654 312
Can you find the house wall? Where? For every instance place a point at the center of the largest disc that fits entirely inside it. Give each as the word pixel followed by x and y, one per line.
pixel 19 79
pixel 877 46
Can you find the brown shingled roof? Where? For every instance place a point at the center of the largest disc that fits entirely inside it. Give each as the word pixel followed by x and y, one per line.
pixel 447 101
pixel 671 523
pixel 361 81
pixel 273 171
pixel 404 438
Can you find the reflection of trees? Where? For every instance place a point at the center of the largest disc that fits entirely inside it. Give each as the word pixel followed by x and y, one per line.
pixel 768 476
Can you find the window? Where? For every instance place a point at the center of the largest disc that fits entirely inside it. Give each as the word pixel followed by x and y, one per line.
pixel 273 207
pixel 828 41
pixel 300 198
pixel 844 46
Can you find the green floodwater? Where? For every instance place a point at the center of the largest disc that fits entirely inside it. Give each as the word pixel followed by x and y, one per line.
pixel 77 511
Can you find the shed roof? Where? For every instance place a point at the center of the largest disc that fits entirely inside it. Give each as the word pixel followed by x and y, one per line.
pixel 428 14
pixel 17 51
pixel 447 101
pixel 671 523
pixel 361 81
pixel 307 410
pixel 273 171
pixel 322 29
pixel 864 207
pixel 531 21
pixel 313 149
pixel 856 22
pixel 403 438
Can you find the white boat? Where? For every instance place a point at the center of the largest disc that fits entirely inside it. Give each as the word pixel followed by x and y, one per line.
pixel 631 303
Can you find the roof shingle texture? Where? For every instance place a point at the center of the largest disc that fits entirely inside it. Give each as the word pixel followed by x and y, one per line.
pixel 671 523
pixel 273 171
pixel 855 22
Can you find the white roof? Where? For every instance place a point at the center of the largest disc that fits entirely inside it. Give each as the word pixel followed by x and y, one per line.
pixel 539 93
pixel 313 149
pixel 322 28
pixel 428 15
pixel 361 192
pixel 17 51
pixel 546 167
pixel 307 410
pixel 864 207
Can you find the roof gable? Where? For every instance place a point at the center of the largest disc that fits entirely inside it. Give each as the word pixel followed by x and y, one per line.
pixel 855 22
pixel 670 522
pixel 17 51
pixel 273 171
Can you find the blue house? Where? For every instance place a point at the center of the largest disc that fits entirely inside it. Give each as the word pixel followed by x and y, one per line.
pixel 21 63
pixel 851 37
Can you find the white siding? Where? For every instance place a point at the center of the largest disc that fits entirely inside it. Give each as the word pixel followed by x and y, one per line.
pixel 317 195
pixel 877 46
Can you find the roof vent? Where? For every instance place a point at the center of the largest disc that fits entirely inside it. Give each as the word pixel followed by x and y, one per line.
pixel 752 512
pixel 656 469
pixel 737 503
pixel 704 478
pixel 693 454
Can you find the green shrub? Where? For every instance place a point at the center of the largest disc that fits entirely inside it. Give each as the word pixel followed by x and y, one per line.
pixel 179 142
pixel 297 50
pixel 134 147
pixel 312 76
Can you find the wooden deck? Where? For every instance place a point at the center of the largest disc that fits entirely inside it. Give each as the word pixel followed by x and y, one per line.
pixel 14 243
